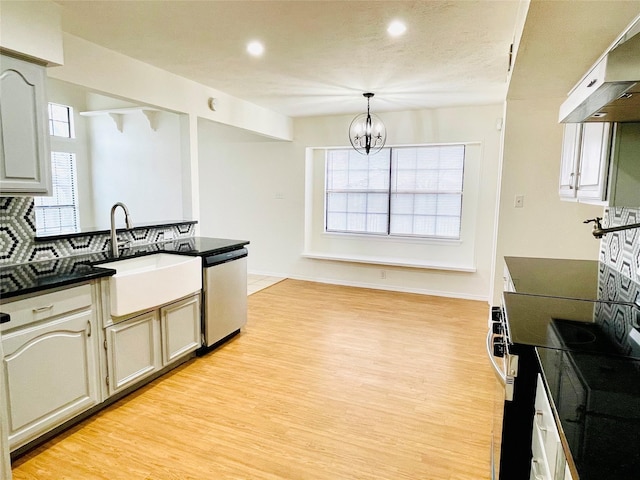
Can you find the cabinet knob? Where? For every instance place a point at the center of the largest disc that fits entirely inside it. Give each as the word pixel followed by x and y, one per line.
pixel 5 317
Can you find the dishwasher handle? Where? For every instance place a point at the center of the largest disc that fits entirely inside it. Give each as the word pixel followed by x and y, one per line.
pixel 220 258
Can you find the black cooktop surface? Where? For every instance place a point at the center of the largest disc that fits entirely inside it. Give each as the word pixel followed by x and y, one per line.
pixel 598 327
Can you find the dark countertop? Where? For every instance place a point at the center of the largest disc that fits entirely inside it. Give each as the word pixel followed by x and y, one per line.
pixel 25 278
pixel 554 277
pixel 596 403
pixel 582 319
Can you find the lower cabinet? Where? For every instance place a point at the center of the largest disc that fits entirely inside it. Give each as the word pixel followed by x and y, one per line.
pixel 52 360
pixel 132 350
pixel 548 460
pixel 143 344
pixel 180 329
pixel 51 374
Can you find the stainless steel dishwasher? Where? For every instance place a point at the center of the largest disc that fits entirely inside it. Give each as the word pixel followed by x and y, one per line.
pixel 224 303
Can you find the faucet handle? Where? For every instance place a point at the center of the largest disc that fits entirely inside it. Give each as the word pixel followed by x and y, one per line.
pixel 594 220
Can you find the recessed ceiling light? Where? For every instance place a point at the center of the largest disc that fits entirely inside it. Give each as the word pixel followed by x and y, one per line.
pixel 396 28
pixel 255 48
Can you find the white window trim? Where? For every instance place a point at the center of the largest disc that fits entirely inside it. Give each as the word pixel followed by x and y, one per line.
pixel 439 253
pixel 390 192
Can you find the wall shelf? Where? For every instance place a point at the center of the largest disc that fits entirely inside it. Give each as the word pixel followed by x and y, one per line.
pixel 117 114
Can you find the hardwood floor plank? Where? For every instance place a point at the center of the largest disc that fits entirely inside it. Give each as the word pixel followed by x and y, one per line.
pixel 325 382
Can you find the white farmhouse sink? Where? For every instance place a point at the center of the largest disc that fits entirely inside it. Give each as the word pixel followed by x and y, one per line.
pixel 146 282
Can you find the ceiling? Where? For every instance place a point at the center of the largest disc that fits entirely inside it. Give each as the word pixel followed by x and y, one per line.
pixel 320 56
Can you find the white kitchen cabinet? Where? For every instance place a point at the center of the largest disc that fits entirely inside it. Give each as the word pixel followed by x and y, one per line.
pixel 141 345
pixel 570 160
pixel 548 461
pixel 593 172
pixel 180 328
pixel 133 350
pixel 585 161
pixel 5 460
pixel 600 164
pixel 25 163
pixel 50 365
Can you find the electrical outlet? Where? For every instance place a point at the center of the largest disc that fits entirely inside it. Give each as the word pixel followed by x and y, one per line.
pixel 518 202
pixel 383 274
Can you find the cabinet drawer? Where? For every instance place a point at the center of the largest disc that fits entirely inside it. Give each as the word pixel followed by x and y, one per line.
pixel 47 305
pixel 545 423
pixel 540 468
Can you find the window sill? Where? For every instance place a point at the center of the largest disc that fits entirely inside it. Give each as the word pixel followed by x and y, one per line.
pixel 394 262
pixel 394 238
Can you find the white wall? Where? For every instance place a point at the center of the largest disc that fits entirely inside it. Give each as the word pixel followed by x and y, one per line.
pixel 545 226
pixel 139 166
pixel 240 181
pixel 239 177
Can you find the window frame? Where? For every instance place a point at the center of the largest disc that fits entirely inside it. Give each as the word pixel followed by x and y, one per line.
pixel 69 121
pixel 40 203
pixel 418 237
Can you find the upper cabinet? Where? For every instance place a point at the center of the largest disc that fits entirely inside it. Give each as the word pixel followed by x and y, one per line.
pixel 594 161
pixel 601 164
pixel 25 165
pixel 570 160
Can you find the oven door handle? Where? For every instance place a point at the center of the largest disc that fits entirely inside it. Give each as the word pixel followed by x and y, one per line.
pixel 502 376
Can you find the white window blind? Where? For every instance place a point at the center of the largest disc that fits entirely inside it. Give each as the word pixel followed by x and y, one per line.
pixel 426 191
pixel 357 192
pixel 58 213
pixel 403 191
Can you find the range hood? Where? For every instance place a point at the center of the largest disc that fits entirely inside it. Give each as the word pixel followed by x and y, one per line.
pixel 610 91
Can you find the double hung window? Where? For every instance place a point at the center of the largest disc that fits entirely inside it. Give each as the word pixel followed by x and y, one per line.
pixel 58 213
pixel 399 191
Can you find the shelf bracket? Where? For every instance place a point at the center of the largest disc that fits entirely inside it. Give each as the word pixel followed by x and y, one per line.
pixel 117 118
pixel 152 117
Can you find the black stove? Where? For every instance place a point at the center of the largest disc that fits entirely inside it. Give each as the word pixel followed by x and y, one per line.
pixel 596 327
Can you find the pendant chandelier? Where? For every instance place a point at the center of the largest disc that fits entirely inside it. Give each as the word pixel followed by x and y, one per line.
pixel 367 133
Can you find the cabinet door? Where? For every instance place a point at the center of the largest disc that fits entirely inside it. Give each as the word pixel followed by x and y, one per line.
pixel 180 328
pixel 25 163
pixel 569 160
pixel 594 161
pixel 5 461
pixel 51 374
pixel 132 350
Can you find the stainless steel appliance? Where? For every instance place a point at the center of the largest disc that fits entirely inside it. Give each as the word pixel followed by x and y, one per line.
pixel 224 303
pixel 610 90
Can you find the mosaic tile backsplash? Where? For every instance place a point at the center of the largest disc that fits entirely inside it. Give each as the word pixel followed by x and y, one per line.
pixel 621 250
pixel 18 229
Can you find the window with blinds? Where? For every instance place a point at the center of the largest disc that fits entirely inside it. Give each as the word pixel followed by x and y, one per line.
pixel 58 213
pixel 400 191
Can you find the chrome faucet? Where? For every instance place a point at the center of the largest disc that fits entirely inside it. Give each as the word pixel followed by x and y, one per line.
pixel 114 236
pixel 600 232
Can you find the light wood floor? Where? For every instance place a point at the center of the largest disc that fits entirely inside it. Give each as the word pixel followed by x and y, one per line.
pixel 325 382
